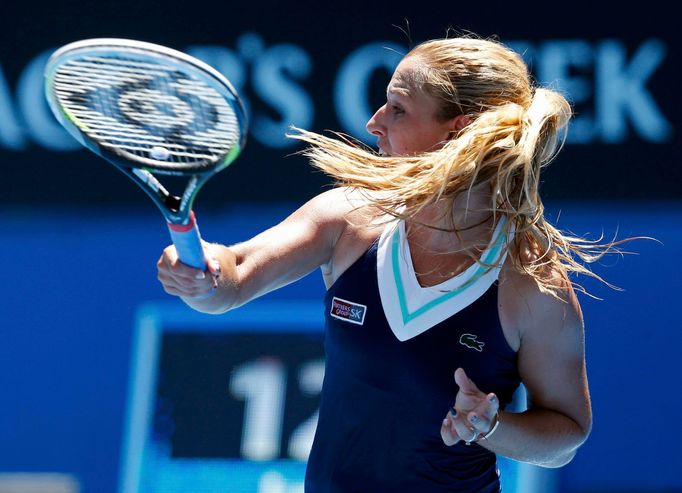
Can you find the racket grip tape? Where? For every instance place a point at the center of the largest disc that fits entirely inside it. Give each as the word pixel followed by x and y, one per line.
pixel 187 241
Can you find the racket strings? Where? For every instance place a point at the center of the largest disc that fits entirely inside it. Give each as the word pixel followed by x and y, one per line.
pixel 165 117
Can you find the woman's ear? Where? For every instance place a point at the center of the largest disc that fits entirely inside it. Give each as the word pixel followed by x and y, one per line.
pixel 459 122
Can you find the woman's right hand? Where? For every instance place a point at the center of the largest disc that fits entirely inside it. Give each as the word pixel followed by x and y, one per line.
pixel 187 282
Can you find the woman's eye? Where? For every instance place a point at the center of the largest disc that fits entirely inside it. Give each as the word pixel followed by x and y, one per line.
pixel 397 109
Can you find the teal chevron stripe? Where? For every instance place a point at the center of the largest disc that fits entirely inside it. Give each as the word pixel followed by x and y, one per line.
pixel 493 253
pixel 395 247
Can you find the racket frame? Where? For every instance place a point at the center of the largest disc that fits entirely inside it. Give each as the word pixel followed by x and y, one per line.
pixel 176 210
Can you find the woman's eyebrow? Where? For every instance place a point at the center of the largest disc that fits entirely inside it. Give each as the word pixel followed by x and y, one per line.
pixel 402 90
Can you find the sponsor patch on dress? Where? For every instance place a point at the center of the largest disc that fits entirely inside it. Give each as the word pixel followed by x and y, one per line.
pixel 348 311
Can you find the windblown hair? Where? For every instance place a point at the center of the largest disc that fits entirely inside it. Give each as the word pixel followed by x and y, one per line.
pixel 515 129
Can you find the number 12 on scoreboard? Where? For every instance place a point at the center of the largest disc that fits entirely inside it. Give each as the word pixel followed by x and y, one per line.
pixel 225 403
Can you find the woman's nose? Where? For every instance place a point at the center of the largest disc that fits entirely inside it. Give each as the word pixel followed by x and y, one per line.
pixel 375 125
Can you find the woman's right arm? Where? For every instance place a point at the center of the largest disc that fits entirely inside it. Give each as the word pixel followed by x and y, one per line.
pixel 272 259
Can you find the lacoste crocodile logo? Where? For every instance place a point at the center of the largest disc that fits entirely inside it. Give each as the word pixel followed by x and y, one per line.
pixel 470 341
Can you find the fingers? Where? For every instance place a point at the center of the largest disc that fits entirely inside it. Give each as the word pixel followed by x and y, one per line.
pixel 482 418
pixel 464 383
pixel 448 433
pixel 213 267
pixel 188 290
pixel 181 280
pixel 473 413
pixel 461 427
pixel 169 262
pixel 212 254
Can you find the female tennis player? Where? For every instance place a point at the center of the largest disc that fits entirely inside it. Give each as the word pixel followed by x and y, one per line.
pixel 446 286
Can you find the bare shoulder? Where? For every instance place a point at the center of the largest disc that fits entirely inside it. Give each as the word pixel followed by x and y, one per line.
pixel 339 211
pixel 334 204
pixel 528 310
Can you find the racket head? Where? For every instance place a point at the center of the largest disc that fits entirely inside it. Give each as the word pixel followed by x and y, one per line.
pixel 142 105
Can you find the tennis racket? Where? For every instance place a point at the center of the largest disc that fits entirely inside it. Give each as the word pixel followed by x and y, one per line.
pixel 150 110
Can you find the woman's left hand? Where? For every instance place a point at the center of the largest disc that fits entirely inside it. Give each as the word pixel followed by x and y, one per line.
pixel 475 412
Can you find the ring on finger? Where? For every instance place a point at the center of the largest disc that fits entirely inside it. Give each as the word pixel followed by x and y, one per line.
pixel 472 439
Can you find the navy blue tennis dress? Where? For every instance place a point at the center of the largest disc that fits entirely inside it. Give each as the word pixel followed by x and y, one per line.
pixel 392 348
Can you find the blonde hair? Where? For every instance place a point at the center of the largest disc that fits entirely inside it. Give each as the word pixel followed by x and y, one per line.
pixel 516 128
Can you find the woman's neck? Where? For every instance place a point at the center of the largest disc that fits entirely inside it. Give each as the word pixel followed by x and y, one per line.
pixel 460 225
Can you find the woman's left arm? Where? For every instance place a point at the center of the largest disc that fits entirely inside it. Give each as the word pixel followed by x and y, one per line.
pixel 551 361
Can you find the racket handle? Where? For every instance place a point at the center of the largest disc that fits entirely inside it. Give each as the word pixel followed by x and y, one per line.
pixel 187 241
